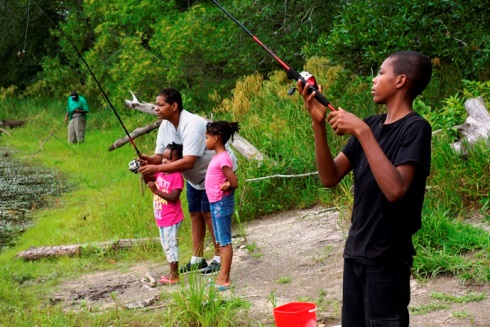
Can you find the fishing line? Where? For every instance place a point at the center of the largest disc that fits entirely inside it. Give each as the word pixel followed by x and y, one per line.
pixel 27 25
pixel 22 53
pixel 95 78
pixel 290 71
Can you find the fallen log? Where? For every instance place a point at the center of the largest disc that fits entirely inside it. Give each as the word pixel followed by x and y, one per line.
pixel 245 148
pixel 36 253
pixel 475 128
pixel 12 123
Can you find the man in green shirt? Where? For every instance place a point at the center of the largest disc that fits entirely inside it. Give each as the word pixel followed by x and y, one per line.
pixel 75 113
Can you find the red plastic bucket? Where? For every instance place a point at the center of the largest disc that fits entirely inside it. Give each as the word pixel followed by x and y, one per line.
pixel 296 314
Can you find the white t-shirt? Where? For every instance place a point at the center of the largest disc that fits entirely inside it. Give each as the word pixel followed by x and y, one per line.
pixel 191 133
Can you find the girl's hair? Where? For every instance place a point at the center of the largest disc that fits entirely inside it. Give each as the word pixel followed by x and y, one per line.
pixel 224 129
pixel 175 147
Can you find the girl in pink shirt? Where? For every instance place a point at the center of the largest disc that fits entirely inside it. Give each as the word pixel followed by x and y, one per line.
pixel 167 208
pixel 220 184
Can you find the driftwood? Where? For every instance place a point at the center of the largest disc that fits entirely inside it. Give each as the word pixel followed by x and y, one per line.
pixel 12 123
pixel 476 126
pixel 245 148
pixel 36 253
pixel 136 133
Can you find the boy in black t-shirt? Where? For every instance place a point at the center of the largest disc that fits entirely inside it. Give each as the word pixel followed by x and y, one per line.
pixel 390 157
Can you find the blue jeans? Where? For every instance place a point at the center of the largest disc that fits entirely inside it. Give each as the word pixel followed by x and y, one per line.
pixel 375 296
pixel 221 213
pixel 196 199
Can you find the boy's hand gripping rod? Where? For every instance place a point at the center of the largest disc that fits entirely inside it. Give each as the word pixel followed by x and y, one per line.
pixel 290 71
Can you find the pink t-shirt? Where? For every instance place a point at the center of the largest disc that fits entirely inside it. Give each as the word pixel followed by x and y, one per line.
pixel 215 176
pixel 168 213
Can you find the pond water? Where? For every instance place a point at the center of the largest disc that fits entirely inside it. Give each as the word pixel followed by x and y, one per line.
pixel 23 187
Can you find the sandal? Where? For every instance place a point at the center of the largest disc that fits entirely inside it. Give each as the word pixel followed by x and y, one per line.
pixel 164 280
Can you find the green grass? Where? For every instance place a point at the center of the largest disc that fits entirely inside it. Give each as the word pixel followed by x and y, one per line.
pixel 440 301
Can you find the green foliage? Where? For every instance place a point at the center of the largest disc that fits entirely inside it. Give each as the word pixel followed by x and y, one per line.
pixel 363 35
pixel 444 242
pixel 24 43
pixel 452 111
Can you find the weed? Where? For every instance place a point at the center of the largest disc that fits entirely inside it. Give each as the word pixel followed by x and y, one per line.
pixel 284 280
pixel 461 314
pixel 427 308
pixel 464 298
pixel 272 299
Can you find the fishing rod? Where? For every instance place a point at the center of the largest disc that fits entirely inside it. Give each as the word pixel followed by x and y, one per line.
pixel 95 78
pixel 290 71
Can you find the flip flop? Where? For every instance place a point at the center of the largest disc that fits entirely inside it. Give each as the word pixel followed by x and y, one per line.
pixel 221 288
pixel 165 281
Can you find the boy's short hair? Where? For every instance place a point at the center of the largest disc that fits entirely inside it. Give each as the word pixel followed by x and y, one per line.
pixel 416 66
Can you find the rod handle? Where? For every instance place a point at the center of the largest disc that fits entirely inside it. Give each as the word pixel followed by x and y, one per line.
pixel 320 97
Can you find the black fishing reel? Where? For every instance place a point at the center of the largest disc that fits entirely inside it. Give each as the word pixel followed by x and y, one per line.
pixel 308 78
pixel 134 166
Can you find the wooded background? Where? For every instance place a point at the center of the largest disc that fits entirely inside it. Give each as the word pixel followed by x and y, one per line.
pixel 144 45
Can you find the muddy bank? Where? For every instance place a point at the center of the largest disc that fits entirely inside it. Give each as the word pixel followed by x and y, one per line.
pixel 23 187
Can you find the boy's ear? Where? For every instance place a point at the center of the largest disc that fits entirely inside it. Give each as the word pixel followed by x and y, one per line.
pixel 401 81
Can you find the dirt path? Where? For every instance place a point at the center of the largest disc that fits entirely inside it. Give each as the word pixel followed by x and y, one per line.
pixel 291 256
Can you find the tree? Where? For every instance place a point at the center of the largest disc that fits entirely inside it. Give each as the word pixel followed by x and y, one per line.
pixel 455 33
pixel 25 39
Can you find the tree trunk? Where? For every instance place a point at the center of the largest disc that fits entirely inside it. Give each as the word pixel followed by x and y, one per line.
pixel 476 126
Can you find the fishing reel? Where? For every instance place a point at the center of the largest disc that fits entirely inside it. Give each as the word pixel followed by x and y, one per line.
pixel 134 166
pixel 307 77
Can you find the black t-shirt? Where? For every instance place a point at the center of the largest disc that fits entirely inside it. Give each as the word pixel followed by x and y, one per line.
pixel 381 232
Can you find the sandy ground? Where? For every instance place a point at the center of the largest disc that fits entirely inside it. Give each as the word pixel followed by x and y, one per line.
pixel 290 256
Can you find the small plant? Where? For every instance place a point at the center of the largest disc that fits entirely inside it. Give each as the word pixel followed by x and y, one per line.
pixel 240 226
pixel 461 314
pixel 284 280
pixel 251 247
pixel 426 308
pixel 272 299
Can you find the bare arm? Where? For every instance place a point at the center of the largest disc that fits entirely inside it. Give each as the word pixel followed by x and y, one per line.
pixel 393 181
pixel 170 197
pixel 231 179
pixel 330 170
pixel 187 162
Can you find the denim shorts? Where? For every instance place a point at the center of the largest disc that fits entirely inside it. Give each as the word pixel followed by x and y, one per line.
pixel 221 212
pixel 168 238
pixel 196 199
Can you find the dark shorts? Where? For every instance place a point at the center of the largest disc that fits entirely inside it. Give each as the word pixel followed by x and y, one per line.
pixel 375 296
pixel 197 199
